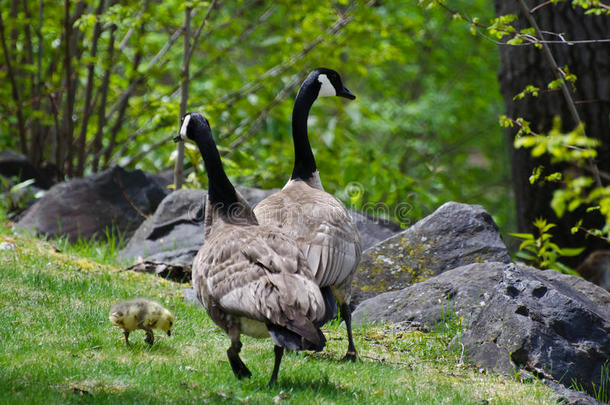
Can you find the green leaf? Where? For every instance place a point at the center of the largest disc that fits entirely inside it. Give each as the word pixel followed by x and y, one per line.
pixel 522 235
pixel 571 251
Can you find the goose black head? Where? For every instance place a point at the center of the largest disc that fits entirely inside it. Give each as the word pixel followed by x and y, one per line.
pixel 193 123
pixel 330 84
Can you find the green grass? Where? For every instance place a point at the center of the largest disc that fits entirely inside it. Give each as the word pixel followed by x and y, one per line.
pixel 57 346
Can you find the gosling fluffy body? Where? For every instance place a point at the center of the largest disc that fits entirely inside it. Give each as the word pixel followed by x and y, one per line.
pixel 142 314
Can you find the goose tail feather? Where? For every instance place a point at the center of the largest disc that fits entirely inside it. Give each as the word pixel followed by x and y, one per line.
pixel 298 335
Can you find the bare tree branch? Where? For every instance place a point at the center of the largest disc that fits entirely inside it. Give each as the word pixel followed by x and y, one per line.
pixel 203 23
pixel 137 157
pixel 530 40
pixel 35 152
pixel 142 77
pixel 129 33
pixel 254 85
pixel 97 31
pixel 245 33
pixel 125 145
pixel 186 57
pixel 14 89
pixel 70 45
pixel 262 115
pixel 101 119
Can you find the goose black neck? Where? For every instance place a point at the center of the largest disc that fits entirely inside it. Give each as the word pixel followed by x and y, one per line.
pixel 304 161
pixel 221 192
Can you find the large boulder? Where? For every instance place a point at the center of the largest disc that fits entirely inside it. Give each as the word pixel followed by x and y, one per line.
pixel 514 317
pixel 173 234
pixel 543 326
pixel 13 164
pixel 454 235
pixel 460 292
pixel 115 199
pixel 373 230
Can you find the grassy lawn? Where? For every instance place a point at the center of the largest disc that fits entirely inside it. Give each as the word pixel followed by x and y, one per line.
pixel 57 346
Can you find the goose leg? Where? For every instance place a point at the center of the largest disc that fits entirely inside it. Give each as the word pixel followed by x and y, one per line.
pixel 126 337
pixel 346 315
pixel 150 337
pixel 279 352
pixel 239 368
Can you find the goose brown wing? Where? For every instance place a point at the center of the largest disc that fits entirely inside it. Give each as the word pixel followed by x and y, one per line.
pixel 321 225
pixel 259 273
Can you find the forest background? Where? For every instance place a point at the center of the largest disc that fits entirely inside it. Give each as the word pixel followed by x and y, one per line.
pixel 87 85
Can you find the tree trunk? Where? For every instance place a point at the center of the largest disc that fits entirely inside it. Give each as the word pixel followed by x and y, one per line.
pixel 523 65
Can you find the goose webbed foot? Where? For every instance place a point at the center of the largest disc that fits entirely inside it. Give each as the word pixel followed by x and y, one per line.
pixel 351 356
pixel 346 315
pixel 239 368
pixel 279 352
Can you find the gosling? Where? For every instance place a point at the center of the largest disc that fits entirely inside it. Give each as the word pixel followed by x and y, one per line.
pixel 142 314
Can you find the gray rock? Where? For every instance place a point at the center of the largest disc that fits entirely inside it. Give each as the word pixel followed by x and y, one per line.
pixel 373 230
pixel 255 195
pixel 461 292
pixel 452 236
pixel 567 396
pixel 515 317
pixel 115 199
pixel 13 164
pixel 174 233
pixel 542 325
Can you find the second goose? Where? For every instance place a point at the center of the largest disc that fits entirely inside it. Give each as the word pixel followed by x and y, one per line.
pixel 318 221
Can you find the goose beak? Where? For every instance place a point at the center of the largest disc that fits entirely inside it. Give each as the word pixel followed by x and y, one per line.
pixel 346 93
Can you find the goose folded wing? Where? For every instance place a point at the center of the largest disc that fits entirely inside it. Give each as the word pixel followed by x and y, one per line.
pixel 264 277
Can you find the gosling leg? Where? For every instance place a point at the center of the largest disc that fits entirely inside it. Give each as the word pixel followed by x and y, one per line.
pixel 126 337
pixel 150 337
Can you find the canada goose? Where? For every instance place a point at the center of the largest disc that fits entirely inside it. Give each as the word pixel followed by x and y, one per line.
pixel 143 314
pixel 251 279
pixel 318 221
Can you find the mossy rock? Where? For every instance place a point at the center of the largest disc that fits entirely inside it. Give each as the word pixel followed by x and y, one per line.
pixel 452 236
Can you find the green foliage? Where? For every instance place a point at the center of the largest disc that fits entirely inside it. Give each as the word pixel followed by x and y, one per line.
pixel 15 196
pixel 541 251
pixel 578 188
pixel 573 146
pixel 421 131
pixel 529 89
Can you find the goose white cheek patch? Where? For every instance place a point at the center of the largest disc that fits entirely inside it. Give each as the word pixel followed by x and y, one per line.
pixel 184 126
pixel 327 89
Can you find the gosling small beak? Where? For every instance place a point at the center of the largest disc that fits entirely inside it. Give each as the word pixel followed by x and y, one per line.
pixel 177 138
pixel 346 93
pixel 169 333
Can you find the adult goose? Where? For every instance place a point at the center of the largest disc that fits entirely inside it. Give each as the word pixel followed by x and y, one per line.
pixel 318 221
pixel 251 279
